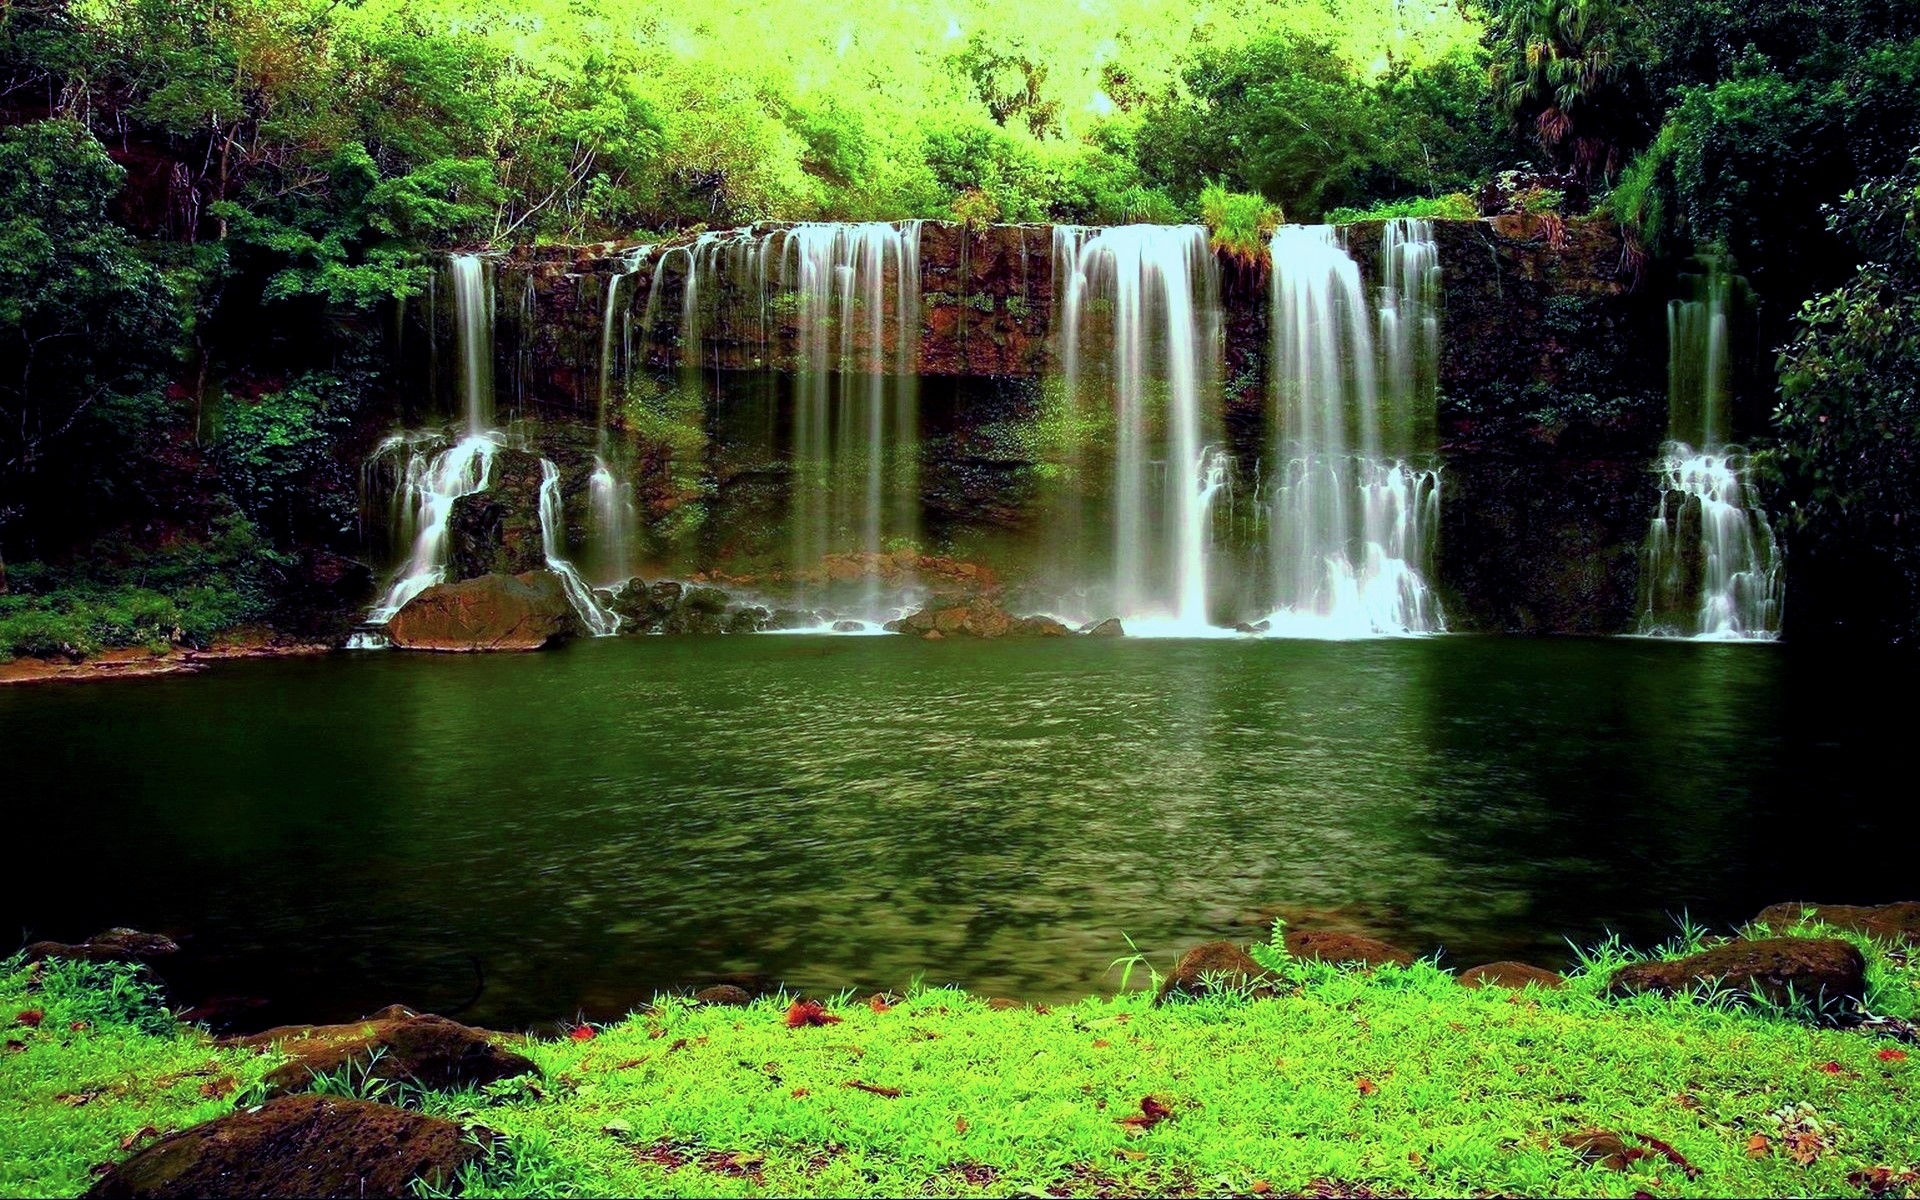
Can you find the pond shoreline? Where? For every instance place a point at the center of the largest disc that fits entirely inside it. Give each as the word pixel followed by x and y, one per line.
pixel 139 662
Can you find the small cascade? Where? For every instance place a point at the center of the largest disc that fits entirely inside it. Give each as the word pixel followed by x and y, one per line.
pixel 1352 522
pixel 612 515
pixel 434 474
pixel 597 619
pixel 1710 567
pixel 1159 286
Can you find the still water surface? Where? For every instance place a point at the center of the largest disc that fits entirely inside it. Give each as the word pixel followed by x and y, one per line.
pixel 567 832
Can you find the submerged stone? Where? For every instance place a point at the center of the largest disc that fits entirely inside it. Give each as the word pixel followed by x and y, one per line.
pixel 394 1044
pixel 493 612
pixel 1818 970
pixel 300 1146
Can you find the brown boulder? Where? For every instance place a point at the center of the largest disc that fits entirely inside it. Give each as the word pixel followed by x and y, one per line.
pixel 393 1044
pixel 112 945
pixel 1814 969
pixel 1514 975
pixel 299 1146
pixel 724 995
pixel 1895 922
pixel 1111 627
pixel 1327 946
pixel 1213 965
pixel 493 612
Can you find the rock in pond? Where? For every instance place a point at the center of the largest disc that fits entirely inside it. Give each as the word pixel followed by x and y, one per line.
pixel 112 945
pixel 299 1146
pixel 1111 627
pixel 1898 922
pixel 979 617
pixel 1210 966
pixel 394 1044
pixel 1813 969
pixel 1327 946
pixel 493 612
pixel 1515 975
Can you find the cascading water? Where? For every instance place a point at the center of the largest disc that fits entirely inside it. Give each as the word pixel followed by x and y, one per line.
pixel 1160 286
pixel 1352 522
pixel 433 480
pixel 1710 568
pixel 611 512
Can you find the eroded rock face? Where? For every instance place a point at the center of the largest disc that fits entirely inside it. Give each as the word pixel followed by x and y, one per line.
pixel 494 612
pixel 497 531
pixel 112 945
pixel 1328 946
pixel 395 1044
pixel 672 607
pixel 1209 966
pixel 1812 969
pixel 298 1146
pixel 1515 975
pixel 1898 922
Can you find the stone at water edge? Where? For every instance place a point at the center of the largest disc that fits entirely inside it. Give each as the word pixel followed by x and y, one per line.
pixel 1212 964
pixel 493 612
pixel 849 626
pixel 1328 946
pixel 1899 922
pixel 1515 975
pixel 111 945
pixel 724 995
pixel 1111 627
pixel 394 1044
pixel 300 1146
pixel 1814 969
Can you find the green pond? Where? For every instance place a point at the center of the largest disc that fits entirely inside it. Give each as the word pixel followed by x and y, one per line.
pixel 520 838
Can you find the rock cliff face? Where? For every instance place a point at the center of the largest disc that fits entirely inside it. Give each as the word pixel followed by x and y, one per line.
pixel 1552 402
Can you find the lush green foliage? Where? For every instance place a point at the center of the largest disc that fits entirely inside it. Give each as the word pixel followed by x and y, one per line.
pixel 1238 224
pixel 1849 413
pixel 1392 1080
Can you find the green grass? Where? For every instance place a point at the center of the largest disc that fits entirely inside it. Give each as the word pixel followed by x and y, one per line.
pixel 1239 223
pixel 1457 206
pixel 1393 1080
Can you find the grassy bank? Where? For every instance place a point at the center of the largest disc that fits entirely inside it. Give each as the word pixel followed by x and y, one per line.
pixel 1348 1083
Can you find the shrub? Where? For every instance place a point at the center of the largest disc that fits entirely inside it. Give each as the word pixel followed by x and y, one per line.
pixel 1240 223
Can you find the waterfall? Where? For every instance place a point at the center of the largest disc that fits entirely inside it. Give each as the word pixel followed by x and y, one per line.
pixel 1160 287
pixel 1710 568
pixel 1352 521
pixel 611 511
pixel 598 620
pixel 854 294
pixel 435 475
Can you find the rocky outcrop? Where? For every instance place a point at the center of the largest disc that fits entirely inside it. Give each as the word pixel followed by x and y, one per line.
pixel 394 1044
pixel 1324 945
pixel 497 531
pixel 1816 970
pixel 977 618
pixel 494 612
pixel 669 606
pixel 299 1146
pixel 112 945
pixel 1111 627
pixel 1515 975
pixel 1214 966
pixel 1899 922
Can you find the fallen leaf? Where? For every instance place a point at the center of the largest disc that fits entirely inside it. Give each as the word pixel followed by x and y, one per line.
pixel 1261 1187
pixel 1759 1146
pixel 137 1136
pixel 582 1033
pixel 80 1026
pixel 1805 1146
pixel 31 1018
pixel 890 1093
pixel 1367 1086
pixel 616 1128
pixel 1832 1068
pixel 679 1044
pixel 809 1012
pixel 214 1089
pixel 1878 1181
pixel 801 1093
pixel 1151 1113
pixel 1892 1055
pixel 959 1124
pixel 1129 1155
pixel 1101 1043
pixel 77 1099
pixel 878 1003
pixel 15 1045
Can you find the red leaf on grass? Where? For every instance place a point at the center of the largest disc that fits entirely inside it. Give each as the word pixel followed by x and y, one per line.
pixel 809 1012
pixel 1833 1068
pixel 879 1003
pixel 582 1033
pixel 891 1093
pixel 1891 1055
pixel 1367 1086
pixel 31 1018
pixel 1151 1113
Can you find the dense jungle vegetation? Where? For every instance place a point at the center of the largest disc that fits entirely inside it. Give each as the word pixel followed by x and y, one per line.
pixel 207 208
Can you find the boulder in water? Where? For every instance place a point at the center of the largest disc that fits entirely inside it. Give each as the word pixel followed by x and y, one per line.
pixel 980 617
pixel 394 1044
pixel 1213 966
pixel 112 945
pixel 792 618
pixel 496 531
pixel 1818 970
pixel 300 1146
pixel 1899 922
pixel 749 619
pixel 1111 627
pixel 1328 946
pixel 849 626
pixel 494 612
